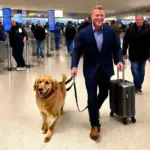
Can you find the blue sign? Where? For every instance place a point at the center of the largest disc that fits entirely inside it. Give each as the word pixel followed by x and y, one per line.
pixel 7 18
pixel 51 20
pixel 18 18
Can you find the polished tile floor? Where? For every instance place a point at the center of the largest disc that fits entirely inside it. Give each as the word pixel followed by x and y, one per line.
pixel 20 120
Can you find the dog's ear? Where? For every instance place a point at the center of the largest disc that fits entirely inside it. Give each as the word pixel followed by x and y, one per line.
pixel 35 84
pixel 55 85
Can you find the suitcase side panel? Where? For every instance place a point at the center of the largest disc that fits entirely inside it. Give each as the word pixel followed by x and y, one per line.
pixel 126 99
pixel 113 94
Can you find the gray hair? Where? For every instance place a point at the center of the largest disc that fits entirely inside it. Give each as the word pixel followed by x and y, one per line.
pixel 139 15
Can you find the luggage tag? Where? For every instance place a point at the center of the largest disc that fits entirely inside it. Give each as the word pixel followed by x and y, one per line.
pixel 20 30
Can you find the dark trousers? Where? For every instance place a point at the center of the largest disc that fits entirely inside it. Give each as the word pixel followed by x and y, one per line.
pixel 95 100
pixel 138 72
pixel 18 56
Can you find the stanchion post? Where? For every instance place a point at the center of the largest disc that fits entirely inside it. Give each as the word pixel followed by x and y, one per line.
pixel 9 68
pixel 2 48
pixel 48 45
pixel 28 65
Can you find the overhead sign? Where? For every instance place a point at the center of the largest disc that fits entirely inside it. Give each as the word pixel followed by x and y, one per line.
pixel 58 13
pixel 7 18
pixel 1 13
pixel 18 18
pixel 51 20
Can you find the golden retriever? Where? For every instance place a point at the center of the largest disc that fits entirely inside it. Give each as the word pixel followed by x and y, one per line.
pixel 50 99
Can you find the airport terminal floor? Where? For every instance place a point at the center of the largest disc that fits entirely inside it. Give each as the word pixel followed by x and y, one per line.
pixel 20 120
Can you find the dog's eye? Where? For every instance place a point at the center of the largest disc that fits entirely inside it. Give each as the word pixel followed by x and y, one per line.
pixel 47 82
pixel 40 82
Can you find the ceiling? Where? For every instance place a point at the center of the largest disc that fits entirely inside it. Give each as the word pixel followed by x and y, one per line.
pixel 76 6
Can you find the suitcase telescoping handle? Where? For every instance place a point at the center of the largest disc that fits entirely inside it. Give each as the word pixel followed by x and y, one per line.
pixel 123 76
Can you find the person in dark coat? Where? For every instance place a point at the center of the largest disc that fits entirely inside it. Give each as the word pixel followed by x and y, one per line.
pixel 70 33
pixel 18 38
pixel 137 38
pixel 84 24
pixel 40 35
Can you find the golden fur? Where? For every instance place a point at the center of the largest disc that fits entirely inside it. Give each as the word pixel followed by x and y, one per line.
pixel 50 99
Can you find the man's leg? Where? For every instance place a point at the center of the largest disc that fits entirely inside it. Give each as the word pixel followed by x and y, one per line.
pixel 142 72
pixel 91 87
pixel 37 48
pixel 67 43
pixel 136 74
pixel 14 53
pixel 41 48
pixel 22 62
pixel 104 86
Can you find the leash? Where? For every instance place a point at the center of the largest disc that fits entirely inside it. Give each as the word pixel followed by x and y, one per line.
pixel 75 92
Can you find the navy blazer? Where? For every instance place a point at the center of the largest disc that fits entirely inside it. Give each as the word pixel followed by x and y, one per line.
pixel 86 44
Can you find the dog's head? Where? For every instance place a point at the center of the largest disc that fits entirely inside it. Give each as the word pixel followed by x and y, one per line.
pixel 45 85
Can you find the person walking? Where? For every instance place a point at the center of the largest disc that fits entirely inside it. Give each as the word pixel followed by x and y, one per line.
pixel 137 38
pixel 97 41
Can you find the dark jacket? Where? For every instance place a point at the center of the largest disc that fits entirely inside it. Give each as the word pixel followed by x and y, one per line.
pixel 93 59
pixel 39 33
pixel 16 36
pixel 70 32
pixel 138 42
pixel 84 25
pixel 2 35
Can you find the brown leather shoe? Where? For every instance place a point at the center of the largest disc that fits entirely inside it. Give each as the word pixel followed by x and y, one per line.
pixel 94 132
pixel 99 128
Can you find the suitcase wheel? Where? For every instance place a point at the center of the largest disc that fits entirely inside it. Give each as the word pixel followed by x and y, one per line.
pixel 133 120
pixel 125 122
pixel 111 114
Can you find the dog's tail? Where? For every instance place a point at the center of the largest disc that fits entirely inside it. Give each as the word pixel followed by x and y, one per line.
pixel 64 78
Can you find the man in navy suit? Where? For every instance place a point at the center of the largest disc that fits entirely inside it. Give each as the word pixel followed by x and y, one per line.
pixel 97 43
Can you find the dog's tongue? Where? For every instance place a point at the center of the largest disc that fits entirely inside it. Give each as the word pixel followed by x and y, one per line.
pixel 41 94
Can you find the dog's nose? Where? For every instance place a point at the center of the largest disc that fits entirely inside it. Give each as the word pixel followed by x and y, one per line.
pixel 40 89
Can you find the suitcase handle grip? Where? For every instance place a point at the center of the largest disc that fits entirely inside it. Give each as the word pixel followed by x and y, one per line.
pixel 123 74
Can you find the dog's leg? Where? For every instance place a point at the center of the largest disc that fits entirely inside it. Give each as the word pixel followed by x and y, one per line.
pixel 45 124
pixel 62 110
pixel 50 129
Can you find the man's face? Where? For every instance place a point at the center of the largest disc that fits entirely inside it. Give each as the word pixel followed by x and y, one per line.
pixel 13 23
pixel 139 21
pixel 98 17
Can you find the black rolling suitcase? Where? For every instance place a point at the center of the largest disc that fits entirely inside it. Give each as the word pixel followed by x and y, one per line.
pixel 122 99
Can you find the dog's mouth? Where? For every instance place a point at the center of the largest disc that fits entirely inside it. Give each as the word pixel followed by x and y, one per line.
pixel 43 94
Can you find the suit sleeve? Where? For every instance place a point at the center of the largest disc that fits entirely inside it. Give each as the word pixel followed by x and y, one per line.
pixel 78 50
pixel 117 52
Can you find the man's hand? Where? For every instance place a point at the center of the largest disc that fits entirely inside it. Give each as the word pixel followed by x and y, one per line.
pixel 120 66
pixel 125 56
pixel 74 72
pixel 24 40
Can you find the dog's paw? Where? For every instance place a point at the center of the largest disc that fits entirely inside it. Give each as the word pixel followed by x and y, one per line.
pixel 47 139
pixel 45 128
